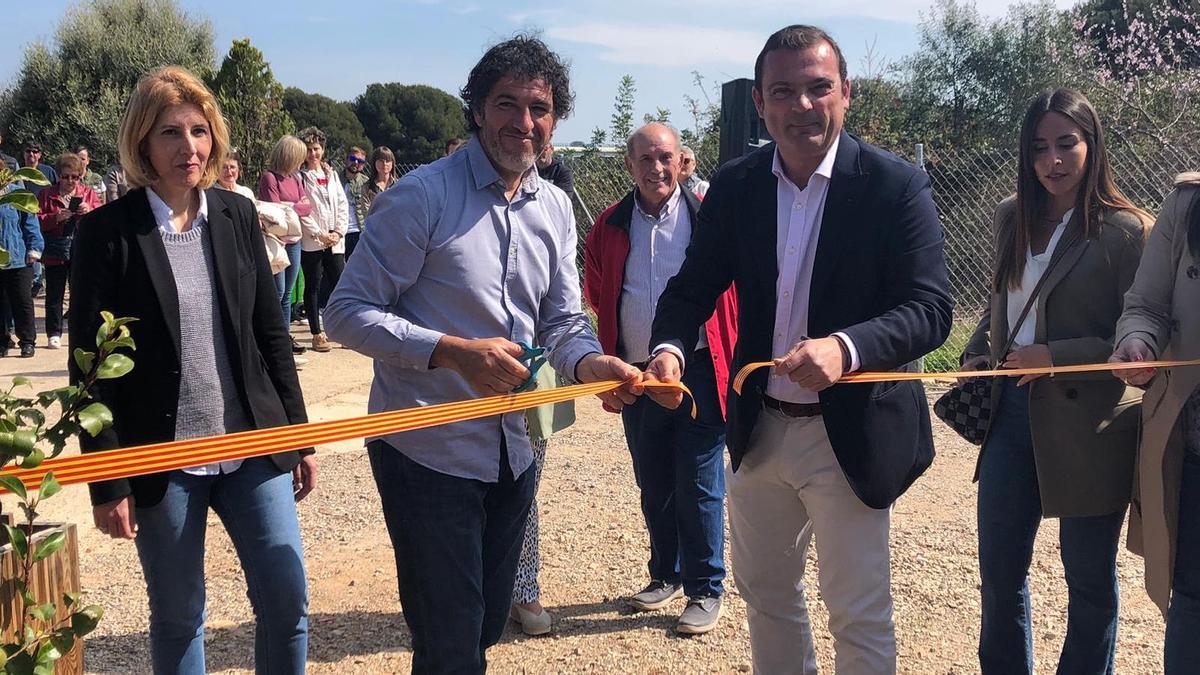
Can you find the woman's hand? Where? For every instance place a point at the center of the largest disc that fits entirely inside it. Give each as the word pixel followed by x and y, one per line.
pixel 304 476
pixel 117 519
pixel 63 216
pixel 84 207
pixel 1133 349
pixel 1033 356
pixel 977 362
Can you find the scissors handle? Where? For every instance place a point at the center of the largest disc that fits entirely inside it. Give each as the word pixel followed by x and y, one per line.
pixel 533 358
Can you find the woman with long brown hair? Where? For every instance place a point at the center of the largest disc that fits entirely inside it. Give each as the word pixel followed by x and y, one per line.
pixel 1067 247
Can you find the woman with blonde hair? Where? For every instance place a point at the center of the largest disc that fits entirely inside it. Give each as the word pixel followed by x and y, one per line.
pixel 281 183
pixel 1067 246
pixel 212 358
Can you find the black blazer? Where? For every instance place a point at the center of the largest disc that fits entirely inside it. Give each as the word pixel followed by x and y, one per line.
pixel 879 276
pixel 120 265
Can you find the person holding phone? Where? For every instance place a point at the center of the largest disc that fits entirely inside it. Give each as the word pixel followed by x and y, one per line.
pixel 59 209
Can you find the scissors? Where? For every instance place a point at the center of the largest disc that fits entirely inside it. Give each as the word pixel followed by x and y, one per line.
pixel 534 358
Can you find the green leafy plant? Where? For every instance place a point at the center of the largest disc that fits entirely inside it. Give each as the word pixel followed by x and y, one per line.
pixel 20 199
pixel 28 438
pixel 24 433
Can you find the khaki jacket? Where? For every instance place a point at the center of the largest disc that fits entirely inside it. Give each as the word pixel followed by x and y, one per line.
pixel 1163 304
pixel 1084 426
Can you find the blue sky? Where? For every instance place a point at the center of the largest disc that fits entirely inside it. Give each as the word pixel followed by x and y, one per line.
pixel 436 42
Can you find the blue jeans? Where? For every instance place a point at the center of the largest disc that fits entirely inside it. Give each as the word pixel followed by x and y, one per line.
pixel 678 464
pixel 286 280
pixel 1009 513
pixel 256 506
pixel 1183 618
pixel 457 542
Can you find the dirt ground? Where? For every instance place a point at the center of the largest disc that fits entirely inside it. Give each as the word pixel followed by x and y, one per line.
pixel 593 555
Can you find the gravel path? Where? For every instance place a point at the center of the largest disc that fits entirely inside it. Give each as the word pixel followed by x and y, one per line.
pixel 593 555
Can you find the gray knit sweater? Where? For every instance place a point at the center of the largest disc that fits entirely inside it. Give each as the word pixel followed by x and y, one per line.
pixel 208 400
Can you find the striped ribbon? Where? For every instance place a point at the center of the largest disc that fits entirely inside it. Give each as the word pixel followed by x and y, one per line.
pixel 159 457
pixel 1001 372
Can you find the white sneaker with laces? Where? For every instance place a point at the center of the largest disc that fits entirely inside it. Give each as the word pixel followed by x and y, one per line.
pixel 55 342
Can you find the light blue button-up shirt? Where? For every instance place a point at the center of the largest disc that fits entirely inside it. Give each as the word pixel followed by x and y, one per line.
pixel 444 253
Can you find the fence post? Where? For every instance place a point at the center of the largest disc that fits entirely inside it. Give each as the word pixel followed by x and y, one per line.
pixel 919 153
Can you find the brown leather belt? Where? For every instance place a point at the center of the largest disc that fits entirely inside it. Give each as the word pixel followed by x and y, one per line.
pixel 793 409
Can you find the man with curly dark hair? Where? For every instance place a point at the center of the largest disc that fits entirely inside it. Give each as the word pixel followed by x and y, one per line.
pixel 461 260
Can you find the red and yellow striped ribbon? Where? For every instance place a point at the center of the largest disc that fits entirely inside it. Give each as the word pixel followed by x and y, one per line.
pixel 158 457
pixel 740 379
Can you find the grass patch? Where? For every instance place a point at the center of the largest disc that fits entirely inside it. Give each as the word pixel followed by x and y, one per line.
pixel 945 358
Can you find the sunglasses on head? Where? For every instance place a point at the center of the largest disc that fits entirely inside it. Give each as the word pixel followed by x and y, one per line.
pixel 356 160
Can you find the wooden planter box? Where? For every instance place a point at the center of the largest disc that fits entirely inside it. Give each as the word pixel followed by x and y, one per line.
pixel 51 577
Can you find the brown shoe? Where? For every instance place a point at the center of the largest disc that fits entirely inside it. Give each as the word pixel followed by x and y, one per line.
pixel 321 343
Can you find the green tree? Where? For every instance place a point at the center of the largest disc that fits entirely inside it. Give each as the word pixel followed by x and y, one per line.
pixel 622 117
pixel 414 120
pixel 335 118
pixel 75 89
pixel 252 101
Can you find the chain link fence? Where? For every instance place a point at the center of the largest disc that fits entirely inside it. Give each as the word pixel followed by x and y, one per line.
pixel 967 185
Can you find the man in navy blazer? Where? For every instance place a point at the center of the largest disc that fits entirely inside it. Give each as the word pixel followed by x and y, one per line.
pixel 836 251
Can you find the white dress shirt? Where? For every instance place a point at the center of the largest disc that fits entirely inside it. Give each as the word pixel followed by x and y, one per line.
pixel 798 228
pixel 657 244
pixel 1035 267
pixel 162 217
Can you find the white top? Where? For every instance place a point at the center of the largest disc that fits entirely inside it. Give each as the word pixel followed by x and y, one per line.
pixel 240 189
pixel 798 222
pixel 1035 267
pixel 162 216
pixel 657 244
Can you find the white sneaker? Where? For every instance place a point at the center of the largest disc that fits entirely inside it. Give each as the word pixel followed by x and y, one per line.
pixel 55 342
pixel 300 360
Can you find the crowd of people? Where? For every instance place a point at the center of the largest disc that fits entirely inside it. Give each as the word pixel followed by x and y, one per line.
pixel 819 252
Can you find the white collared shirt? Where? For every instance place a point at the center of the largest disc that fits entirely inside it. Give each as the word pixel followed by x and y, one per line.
pixel 162 217
pixel 657 244
pixel 798 228
pixel 1035 267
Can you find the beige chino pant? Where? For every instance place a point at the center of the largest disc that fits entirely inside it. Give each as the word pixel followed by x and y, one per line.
pixel 788 489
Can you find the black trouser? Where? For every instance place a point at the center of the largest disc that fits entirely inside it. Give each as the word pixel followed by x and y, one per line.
pixel 56 290
pixel 457 543
pixel 16 305
pixel 316 264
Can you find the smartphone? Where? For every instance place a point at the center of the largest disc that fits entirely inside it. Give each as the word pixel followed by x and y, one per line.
pixel 74 204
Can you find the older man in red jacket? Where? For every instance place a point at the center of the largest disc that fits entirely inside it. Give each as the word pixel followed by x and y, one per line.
pixel 635 247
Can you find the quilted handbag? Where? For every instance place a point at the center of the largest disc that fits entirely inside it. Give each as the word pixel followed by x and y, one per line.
pixel 967 409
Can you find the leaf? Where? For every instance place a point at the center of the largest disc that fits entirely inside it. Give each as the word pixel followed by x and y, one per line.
pixel 114 366
pixel 42 612
pixel 20 381
pixel 3 658
pixel 16 537
pixel 63 395
pixel 34 459
pixel 46 657
pixel 22 200
pixel 19 664
pixel 15 486
pixel 71 598
pixel 85 620
pixel 50 486
pixel 95 418
pixel 30 175
pixel 63 640
pixel 5 258
pixel 19 442
pixel 84 359
pixel 32 416
pixel 48 547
